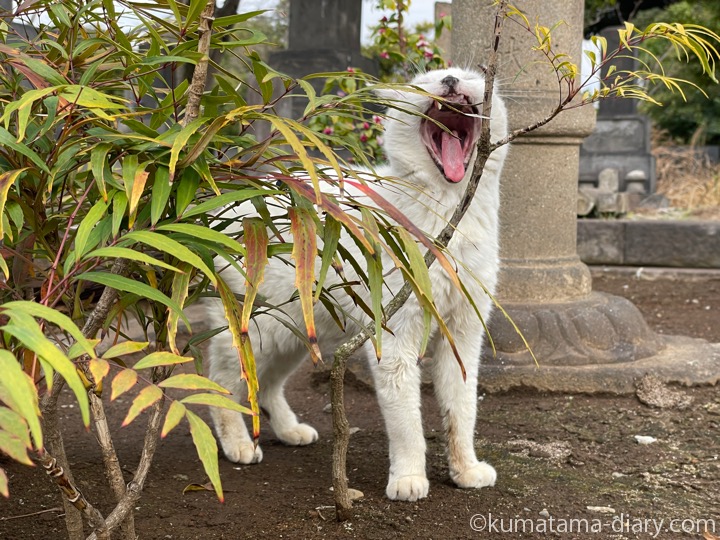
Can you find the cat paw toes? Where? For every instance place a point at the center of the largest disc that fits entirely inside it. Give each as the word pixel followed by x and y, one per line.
pixel 298 435
pixel 244 453
pixel 479 475
pixel 407 488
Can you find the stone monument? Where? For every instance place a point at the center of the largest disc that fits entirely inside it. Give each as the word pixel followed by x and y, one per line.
pixel 583 340
pixel 621 140
pixel 323 37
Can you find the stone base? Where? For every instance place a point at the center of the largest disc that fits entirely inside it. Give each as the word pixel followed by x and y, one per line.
pixel 595 329
pixel 597 344
pixel 683 360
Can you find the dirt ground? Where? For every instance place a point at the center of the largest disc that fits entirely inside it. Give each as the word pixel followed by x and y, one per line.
pixel 569 466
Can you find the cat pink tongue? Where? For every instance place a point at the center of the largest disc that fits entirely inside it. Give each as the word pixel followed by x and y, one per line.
pixel 452 157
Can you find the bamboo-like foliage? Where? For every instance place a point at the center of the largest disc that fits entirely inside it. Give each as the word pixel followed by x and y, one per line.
pixel 109 183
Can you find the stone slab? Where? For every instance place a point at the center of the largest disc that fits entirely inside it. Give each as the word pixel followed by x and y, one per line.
pixel 689 244
pixel 685 361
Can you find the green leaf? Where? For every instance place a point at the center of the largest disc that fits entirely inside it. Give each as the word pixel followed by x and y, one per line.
pixel 4 267
pixel 191 381
pixel 143 290
pixel 55 317
pixel 22 393
pixel 302 226
pixel 14 448
pixel 180 141
pixel 180 287
pixel 126 347
pixel 98 160
pixel 86 225
pixel 189 182
pixel 84 96
pixel 160 193
pixel 7 179
pixel 247 366
pixel 216 400
pixel 13 423
pixel 120 203
pixel 204 233
pixel 227 198
pixel 26 330
pixel 207 450
pixel 132 255
pixel 161 358
pixel 146 398
pixel 6 139
pixel 122 382
pixel 172 247
pixel 331 238
pixel 176 412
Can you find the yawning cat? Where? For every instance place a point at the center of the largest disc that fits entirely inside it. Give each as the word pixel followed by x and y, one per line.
pixel 433 166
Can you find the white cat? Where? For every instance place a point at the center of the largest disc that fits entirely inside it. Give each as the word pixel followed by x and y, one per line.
pixel 434 167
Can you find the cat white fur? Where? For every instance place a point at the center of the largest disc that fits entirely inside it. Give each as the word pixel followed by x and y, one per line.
pixel 428 200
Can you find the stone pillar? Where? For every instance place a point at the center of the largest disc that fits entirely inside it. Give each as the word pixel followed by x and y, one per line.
pixel 544 286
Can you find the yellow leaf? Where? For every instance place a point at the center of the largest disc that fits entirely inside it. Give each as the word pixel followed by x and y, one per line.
pixel 175 413
pixel 146 397
pixel 207 450
pixel 123 382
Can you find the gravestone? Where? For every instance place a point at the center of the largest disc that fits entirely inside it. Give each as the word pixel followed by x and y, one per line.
pixel 323 36
pixel 621 140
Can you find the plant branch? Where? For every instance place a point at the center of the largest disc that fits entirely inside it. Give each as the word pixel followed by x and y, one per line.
pixel 73 494
pixel 342 354
pixel 126 504
pixel 199 78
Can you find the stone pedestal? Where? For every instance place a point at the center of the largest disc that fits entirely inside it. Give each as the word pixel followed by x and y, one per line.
pixel 576 335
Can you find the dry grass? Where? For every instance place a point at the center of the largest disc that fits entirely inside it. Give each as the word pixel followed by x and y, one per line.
pixel 688 179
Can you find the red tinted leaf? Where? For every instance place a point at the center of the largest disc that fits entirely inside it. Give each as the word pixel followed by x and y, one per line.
pixel 304 253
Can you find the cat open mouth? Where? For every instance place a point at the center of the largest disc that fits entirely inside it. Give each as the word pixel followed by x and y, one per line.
pixel 451 149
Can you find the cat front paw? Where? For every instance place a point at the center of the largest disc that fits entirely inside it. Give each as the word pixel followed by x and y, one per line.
pixel 298 435
pixel 244 453
pixel 479 475
pixel 407 488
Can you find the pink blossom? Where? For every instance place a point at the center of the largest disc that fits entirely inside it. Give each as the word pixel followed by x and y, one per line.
pixel 363 138
pixel 366 125
pixel 442 14
pixel 328 131
pixel 385 55
pixel 341 93
pixel 351 70
pixel 377 119
pixel 381 31
pixel 379 140
pixel 383 20
pixel 428 54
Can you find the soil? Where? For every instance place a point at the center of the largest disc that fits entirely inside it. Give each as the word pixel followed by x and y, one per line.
pixel 569 466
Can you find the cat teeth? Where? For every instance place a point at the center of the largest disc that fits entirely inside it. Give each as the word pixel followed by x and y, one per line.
pixel 438 105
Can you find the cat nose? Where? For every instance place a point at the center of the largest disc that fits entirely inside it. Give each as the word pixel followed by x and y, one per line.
pixel 450 82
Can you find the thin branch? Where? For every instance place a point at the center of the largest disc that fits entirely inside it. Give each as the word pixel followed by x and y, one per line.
pixel 73 494
pixel 341 432
pixel 199 78
pixel 126 505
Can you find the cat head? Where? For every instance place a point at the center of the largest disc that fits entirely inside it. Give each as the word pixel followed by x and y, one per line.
pixel 418 146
